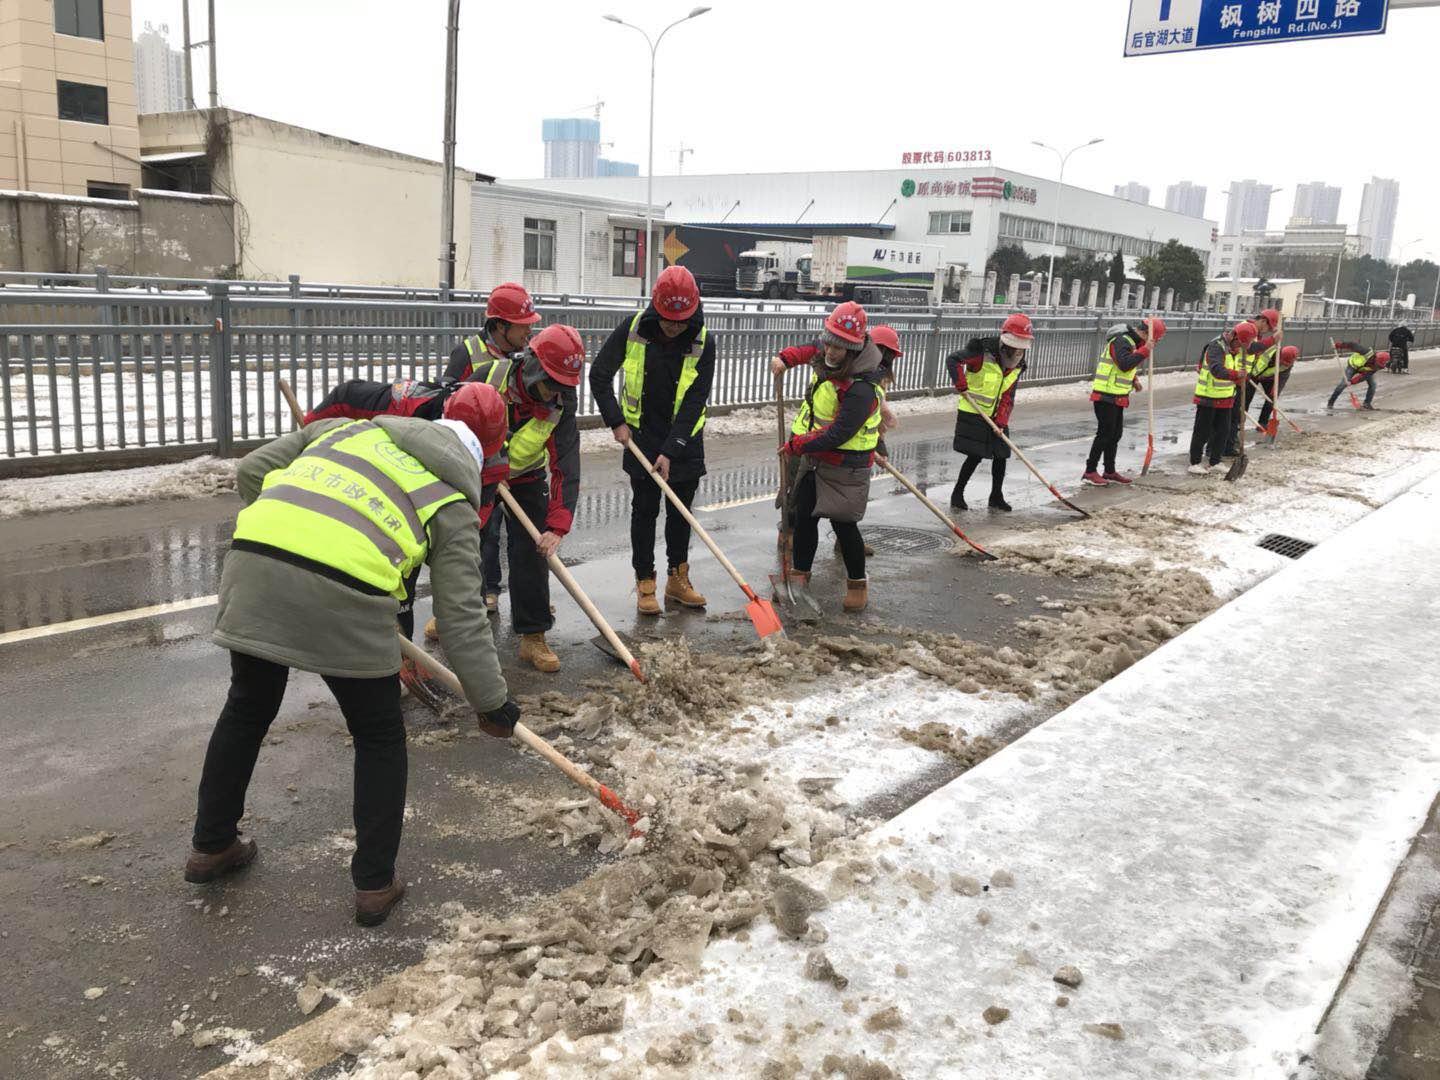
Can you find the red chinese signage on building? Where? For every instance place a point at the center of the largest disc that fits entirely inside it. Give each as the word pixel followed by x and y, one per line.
pixel 944 157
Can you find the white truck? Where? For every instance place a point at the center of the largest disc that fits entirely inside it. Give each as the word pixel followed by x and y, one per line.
pixel 871 271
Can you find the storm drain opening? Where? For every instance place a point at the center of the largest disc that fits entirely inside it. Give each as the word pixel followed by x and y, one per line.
pixel 894 540
pixel 1288 546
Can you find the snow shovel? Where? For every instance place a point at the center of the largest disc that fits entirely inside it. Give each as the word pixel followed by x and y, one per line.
pixel 761 612
pixel 898 475
pixel 1242 459
pixel 1272 426
pixel 803 604
pixel 1017 452
pixel 1150 399
pixel 605 795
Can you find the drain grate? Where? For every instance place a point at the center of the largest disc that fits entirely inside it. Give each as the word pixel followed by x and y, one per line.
pixel 1288 546
pixel 894 540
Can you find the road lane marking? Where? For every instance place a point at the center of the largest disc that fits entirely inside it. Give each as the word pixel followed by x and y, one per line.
pixel 30 633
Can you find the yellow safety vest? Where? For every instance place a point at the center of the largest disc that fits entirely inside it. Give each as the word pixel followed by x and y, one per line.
pixel 525 445
pixel 1358 360
pixel 820 407
pixel 1109 379
pixel 633 384
pixel 1207 386
pixel 987 386
pixel 353 501
pixel 1262 364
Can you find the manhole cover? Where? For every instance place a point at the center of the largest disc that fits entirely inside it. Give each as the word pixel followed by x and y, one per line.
pixel 1288 546
pixel 899 541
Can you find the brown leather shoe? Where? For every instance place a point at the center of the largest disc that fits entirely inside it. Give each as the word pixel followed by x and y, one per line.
pixel 857 594
pixel 201 868
pixel 645 602
pixel 373 906
pixel 537 653
pixel 431 632
pixel 679 589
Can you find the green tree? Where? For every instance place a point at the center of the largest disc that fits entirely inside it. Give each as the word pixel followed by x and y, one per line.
pixel 1005 260
pixel 1177 267
pixel 1117 272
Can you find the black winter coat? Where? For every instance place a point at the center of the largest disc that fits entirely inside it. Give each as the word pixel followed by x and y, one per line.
pixel 658 432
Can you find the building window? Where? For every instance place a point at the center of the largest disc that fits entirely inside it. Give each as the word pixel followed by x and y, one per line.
pixel 80 18
pixel 98 189
pixel 627 253
pixel 952 221
pixel 83 102
pixel 539 244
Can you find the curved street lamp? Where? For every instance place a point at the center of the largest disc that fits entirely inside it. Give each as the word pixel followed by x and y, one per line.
pixel 650 160
pixel 1399 261
pixel 1059 194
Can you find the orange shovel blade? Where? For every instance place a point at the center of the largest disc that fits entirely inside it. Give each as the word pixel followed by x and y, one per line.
pixel 762 615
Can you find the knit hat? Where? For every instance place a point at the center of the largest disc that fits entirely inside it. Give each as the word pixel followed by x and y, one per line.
pixel 829 338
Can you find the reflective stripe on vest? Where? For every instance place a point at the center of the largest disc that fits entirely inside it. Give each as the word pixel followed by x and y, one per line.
pixel 1109 379
pixel 822 405
pixel 1207 386
pixel 1263 362
pixel 987 392
pixel 525 444
pixel 1358 360
pixel 632 388
pixel 353 501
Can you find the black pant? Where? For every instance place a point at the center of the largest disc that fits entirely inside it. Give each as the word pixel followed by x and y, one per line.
pixel 1345 383
pixel 644 510
pixel 372 713
pixel 807 533
pixel 967 470
pixel 1268 384
pixel 1237 415
pixel 490 551
pixel 529 571
pixel 1212 428
pixel 1109 427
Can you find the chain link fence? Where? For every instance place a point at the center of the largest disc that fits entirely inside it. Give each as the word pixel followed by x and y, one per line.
pixel 96 377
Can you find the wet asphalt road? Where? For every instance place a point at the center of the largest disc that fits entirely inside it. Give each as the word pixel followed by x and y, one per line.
pixel 103 731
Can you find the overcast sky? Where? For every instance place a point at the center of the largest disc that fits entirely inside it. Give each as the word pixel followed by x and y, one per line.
pixel 765 85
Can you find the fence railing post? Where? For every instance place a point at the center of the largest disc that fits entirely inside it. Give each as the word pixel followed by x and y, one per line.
pixel 932 354
pixel 221 423
pixel 110 350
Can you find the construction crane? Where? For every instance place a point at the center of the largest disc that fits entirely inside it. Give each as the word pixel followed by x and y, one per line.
pixel 680 154
pixel 596 105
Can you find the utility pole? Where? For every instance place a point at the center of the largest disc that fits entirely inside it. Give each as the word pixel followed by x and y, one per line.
pixel 189 77
pixel 214 92
pixel 447 179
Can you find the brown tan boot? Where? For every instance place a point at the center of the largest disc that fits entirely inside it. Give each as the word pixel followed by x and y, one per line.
pixel 373 906
pixel 679 589
pixel 201 868
pixel 535 652
pixel 857 594
pixel 431 632
pixel 645 602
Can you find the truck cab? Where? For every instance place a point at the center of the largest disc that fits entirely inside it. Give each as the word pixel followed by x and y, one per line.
pixel 779 272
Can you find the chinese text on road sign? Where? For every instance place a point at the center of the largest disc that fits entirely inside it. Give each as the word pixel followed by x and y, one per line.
pixel 1158 26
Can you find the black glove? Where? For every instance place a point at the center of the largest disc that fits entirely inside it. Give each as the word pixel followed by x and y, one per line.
pixel 500 722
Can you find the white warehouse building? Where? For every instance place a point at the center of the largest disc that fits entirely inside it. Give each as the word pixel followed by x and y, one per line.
pixel 968 212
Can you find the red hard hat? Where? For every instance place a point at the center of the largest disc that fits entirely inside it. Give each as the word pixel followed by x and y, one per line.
pixel 1243 332
pixel 1017 332
pixel 1272 316
pixel 561 353
pixel 847 322
pixel 479 407
pixel 511 303
pixel 1158 330
pixel 676 296
pixel 1382 357
pixel 886 338
pixel 1289 354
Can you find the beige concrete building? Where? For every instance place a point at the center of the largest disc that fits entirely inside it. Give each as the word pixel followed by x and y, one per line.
pixel 307 203
pixel 67 98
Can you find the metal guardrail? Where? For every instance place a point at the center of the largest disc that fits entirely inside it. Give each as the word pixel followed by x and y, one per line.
pixel 91 377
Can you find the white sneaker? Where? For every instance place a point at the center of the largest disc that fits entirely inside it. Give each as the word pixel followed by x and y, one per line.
pixel 1199 470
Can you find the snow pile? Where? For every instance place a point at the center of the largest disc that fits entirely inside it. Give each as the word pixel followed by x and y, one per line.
pixel 192 479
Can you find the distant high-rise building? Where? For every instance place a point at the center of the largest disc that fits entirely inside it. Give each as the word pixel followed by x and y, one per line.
pixel 1377 217
pixel 1249 206
pixel 1316 203
pixel 572 149
pixel 159 72
pixel 1186 198
pixel 1133 192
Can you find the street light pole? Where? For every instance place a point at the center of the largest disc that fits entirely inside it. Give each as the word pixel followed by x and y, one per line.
pixel 650 157
pixel 1059 194
pixel 1399 260
pixel 447 177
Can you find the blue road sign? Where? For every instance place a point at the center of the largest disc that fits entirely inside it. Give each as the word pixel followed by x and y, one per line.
pixel 1160 26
